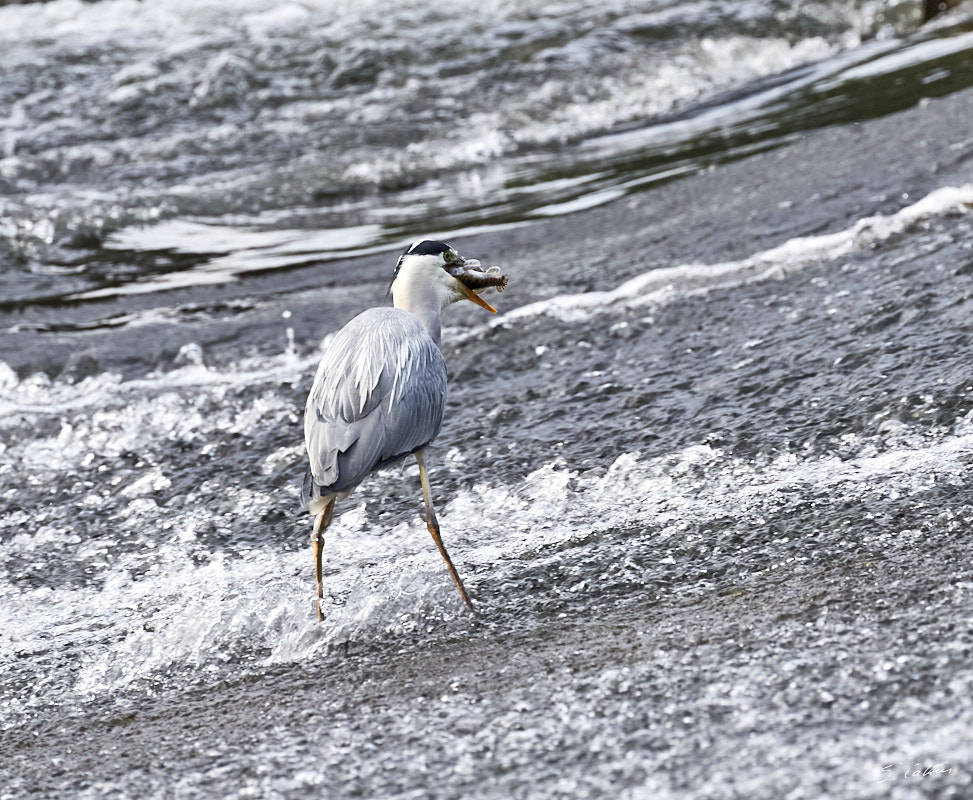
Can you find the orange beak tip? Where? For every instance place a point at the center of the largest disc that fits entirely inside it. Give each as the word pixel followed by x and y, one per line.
pixel 481 302
pixel 473 297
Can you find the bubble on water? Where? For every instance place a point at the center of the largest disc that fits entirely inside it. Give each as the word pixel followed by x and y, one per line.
pixel 283 18
pixel 152 481
pixel 8 378
pixel 191 353
pixel 225 79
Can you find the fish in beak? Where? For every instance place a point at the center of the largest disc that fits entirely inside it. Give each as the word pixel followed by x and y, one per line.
pixel 473 280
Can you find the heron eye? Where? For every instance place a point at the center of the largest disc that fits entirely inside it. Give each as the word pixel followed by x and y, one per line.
pixel 448 256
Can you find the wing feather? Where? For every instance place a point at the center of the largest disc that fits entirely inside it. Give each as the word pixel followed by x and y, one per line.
pixel 378 395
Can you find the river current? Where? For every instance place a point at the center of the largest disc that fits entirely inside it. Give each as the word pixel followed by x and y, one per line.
pixel 707 474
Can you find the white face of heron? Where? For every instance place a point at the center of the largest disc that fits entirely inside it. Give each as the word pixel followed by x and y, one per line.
pixel 426 275
pixel 433 274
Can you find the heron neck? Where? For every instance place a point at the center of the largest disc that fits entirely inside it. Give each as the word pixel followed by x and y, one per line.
pixel 424 305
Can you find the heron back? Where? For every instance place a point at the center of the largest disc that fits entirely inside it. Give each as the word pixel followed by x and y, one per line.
pixel 378 395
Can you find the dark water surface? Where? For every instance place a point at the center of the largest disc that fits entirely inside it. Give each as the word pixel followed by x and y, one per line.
pixel 707 475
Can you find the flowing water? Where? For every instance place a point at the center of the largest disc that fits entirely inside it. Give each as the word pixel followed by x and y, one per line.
pixel 707 475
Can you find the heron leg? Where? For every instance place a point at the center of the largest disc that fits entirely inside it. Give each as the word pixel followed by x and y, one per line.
pixel 321 523
pixel 433 524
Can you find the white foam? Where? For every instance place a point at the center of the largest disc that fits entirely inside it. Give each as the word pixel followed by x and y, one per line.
pixel 659 285
pixel 196 607
pixel 38 395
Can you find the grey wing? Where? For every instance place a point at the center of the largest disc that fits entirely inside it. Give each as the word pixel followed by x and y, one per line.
pixel 379 394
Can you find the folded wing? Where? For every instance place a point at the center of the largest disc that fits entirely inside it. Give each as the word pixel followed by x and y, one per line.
pixel 379 395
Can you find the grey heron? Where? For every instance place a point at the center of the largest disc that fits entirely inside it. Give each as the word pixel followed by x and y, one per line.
pixel 380 390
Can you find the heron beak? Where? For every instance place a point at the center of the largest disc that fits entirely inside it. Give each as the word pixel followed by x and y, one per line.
pixel 473 297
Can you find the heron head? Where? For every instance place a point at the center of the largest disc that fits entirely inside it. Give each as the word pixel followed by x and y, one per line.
pixel 436 266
